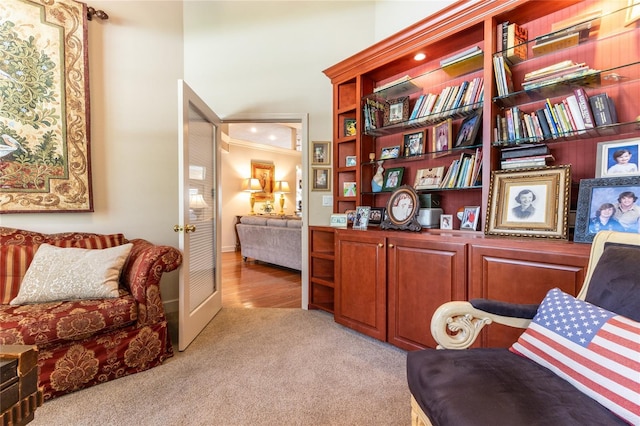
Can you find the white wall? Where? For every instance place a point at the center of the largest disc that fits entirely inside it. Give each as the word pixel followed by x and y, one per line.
pixel 240 57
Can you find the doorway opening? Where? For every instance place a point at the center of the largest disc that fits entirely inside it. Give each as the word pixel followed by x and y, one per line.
pixel 280 139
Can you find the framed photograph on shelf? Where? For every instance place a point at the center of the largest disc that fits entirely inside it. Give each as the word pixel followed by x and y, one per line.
pixel 529 202
pixel 361 221
pixel 351 160
pixel 429 178
pixel 441 140
pixel 402 210
pixel 321 179
pixel 469 130
pixel 413 143
pixel 376 215
pixel 396 111
pixel 607 204
pixel 618 158
pixel 338 220
pixel 470 217
pixel 351 215
pixel 390 152
pixel 392 178
pixel 349 189
pixel 349 127
pixel 321 152
pixel 446 221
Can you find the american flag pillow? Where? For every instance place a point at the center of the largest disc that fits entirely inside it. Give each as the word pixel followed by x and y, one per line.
pixel 595 350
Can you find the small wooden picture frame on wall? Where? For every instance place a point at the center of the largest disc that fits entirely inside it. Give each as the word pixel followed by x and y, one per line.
pixel 321 153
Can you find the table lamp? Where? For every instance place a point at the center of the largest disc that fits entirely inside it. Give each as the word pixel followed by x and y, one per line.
pixel 251 185
pixel 282 187
pixel 197 204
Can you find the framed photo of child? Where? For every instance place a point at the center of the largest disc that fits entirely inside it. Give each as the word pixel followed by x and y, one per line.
pixel 618 158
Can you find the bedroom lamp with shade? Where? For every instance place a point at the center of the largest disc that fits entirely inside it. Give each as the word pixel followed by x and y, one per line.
pixel 282 187
pixel 197 204
pixel 251 185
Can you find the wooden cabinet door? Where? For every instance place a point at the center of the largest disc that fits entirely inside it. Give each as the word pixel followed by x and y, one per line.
pixel 360 290
pixel 514 273
pixel 422 274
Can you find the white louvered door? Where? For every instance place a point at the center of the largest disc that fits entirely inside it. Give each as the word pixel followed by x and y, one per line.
pixel 199 215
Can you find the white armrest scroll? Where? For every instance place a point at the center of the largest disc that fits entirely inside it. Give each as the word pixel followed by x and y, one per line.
pixel 456 325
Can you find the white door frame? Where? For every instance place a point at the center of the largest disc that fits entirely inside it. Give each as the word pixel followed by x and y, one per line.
pixel 303 119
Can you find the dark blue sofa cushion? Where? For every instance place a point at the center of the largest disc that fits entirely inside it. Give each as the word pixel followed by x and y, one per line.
pixel 495 387
pixel 615 283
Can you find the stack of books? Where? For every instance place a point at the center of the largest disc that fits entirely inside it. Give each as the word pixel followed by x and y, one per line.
pixel 466 61
pixel 566 37
pixel 557 73
pixel 524 156
pixel 512 41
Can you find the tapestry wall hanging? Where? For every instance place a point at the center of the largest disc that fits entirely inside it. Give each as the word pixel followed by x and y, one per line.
pixel 44 107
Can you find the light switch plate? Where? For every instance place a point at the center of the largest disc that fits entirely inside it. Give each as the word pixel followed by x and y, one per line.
pixel 327 200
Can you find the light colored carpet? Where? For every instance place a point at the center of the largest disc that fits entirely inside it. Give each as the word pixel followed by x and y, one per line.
pixel 254 367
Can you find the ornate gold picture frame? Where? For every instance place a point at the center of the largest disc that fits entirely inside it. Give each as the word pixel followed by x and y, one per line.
pixel 265 172
pixel 529 202
pixel 44 116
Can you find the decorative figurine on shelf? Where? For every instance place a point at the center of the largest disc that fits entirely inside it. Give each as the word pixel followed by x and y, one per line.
pixel 378 178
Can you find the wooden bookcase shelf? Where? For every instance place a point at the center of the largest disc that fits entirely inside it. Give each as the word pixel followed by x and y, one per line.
pixel 321 268
pixel 401 266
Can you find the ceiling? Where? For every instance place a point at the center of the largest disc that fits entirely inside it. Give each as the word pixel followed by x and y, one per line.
pixel 282 135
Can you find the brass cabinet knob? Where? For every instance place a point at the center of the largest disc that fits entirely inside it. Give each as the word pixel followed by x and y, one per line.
pixel 380 245
pixel 391 246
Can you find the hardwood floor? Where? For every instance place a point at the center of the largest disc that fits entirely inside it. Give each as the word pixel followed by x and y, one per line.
pixel 255 284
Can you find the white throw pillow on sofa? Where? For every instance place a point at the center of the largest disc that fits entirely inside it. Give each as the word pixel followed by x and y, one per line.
pixel 72 273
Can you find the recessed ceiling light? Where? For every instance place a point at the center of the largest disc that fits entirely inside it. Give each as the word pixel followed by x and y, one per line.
pixel 420 56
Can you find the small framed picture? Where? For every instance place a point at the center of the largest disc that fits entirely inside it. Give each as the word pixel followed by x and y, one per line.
pixel 361 220
pixel 396 111
pixel 390 152
pixel 446 221
pixel 376 215
pixel 413 143
pixel 618 158
pixel 349 189
pixel 470 218
pixel 392 178
pixel 321 179
pixel 321 152
pixel 338 220
pixel 607 204
pixel 529 203
pixel 469 130
pixel 429 178
pixel 351 160
pixel 349 127
pixel 442 136
pixel 351 215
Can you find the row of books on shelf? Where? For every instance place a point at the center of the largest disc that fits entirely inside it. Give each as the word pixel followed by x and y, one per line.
pixel 434 106
pixel 512 39
pixel 465 171
pixel 575 114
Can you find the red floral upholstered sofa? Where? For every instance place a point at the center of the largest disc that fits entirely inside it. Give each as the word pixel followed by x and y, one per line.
pixel 85 342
